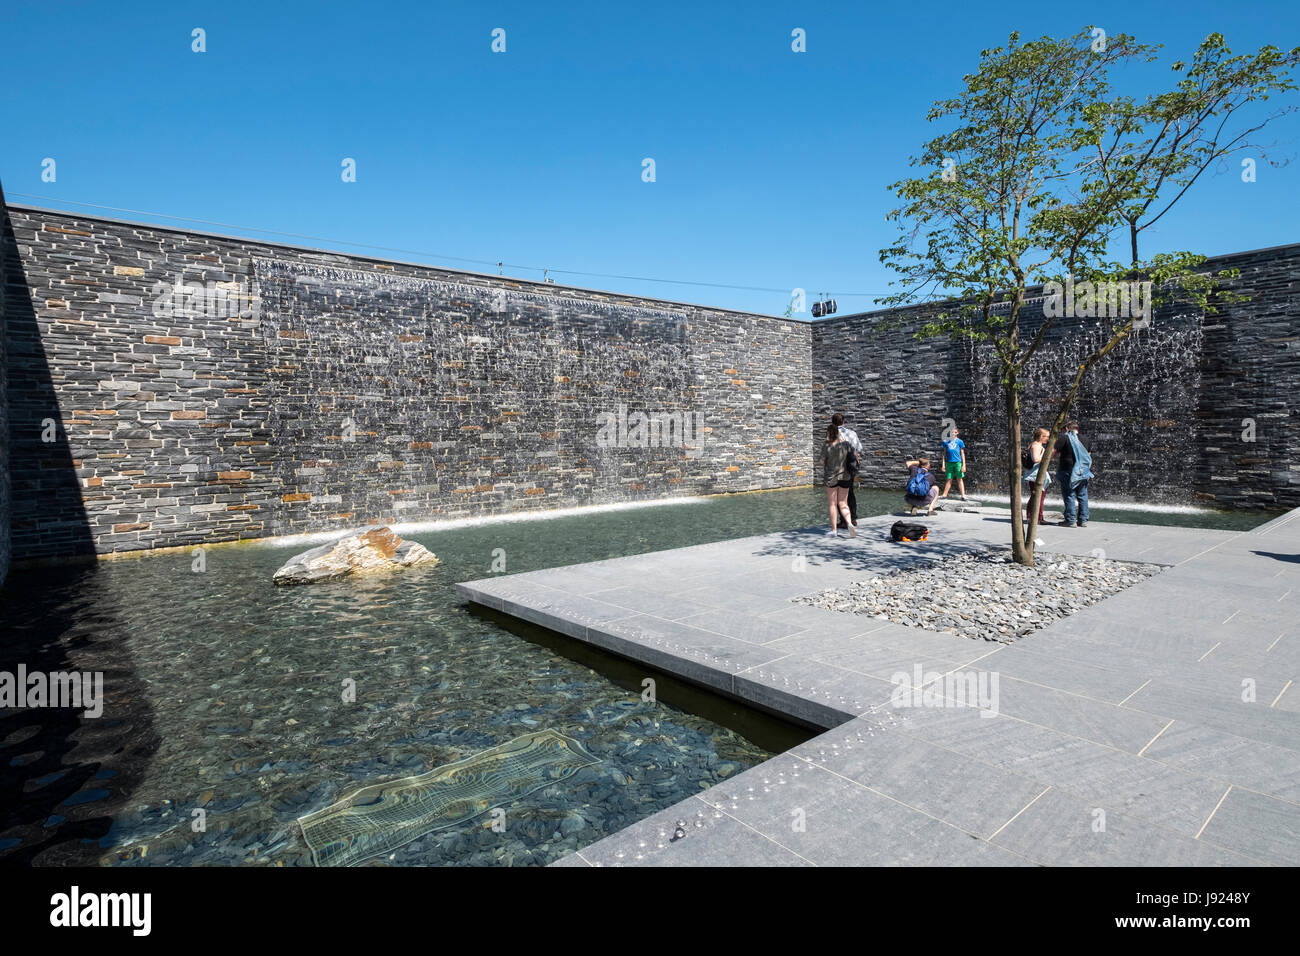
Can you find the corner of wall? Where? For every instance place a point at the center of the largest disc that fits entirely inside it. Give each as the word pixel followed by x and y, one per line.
pixel 4 398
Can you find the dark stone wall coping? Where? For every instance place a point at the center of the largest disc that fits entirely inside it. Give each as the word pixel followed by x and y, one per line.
pixel 451 274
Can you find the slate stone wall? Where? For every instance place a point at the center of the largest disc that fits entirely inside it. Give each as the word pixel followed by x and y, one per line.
pixel 4 408
pixel 280 390
pixel 1197 410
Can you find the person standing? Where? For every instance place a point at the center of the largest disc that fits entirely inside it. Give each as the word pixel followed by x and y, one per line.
pixel 1073 471
pixel 954 463
pixel 835 465
pixel 849 435
pixel 1033 461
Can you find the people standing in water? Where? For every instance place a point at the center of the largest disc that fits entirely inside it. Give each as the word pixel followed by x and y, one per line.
pixel 1073 472
pixel 954 458
pixel 1032 461
pixel 849 435
pixel 839 479
pixel 922 492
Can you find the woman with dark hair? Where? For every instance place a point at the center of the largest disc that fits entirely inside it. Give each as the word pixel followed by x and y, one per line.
pixel 839 479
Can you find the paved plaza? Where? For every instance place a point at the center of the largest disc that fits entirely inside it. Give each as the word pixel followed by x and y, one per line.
pixel 1160 726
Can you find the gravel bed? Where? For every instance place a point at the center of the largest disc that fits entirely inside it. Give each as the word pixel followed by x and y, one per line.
pixel 984 595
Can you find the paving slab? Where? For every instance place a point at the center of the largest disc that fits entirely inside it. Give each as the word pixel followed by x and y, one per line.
pixel 1263 826
pixel 1226 757
pixel 1060 829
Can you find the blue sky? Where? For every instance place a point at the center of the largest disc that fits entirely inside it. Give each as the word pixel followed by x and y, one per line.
pixel 771 167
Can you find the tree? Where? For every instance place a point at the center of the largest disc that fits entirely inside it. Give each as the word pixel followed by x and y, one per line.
pixel 1040 167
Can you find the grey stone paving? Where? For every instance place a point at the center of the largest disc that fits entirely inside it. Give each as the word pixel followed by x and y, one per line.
pixel 1158 727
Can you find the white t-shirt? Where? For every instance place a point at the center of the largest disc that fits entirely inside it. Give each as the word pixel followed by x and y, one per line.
pixel 849 435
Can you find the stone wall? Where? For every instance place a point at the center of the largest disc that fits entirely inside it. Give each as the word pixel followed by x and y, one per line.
pixel 352 390
pixel 4 408
pixel 280 390
pixel 1167 416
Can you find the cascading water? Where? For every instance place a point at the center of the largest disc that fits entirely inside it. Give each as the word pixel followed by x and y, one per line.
pixel 1137 408
pixel 441 397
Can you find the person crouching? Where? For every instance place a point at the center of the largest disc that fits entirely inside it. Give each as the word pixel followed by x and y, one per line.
pixel 921 492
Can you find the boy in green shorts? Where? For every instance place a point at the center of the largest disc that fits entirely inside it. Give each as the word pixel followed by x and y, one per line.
pixel 954 464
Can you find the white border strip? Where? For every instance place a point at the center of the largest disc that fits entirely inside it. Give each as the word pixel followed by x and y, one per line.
pixel 449 524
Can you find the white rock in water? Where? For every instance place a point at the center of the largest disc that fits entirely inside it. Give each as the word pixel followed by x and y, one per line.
pixel 364 552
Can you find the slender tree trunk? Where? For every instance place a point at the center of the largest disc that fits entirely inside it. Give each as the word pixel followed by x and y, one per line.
pixel 1022 550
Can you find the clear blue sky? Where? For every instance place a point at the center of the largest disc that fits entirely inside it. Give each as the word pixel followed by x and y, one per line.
pixel 772 166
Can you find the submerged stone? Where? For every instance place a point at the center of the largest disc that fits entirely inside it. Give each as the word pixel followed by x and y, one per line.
pixel 366 552
pixel 382 817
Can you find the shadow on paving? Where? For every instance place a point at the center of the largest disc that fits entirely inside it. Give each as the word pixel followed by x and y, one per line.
pixel 877 553
pixel 1292 558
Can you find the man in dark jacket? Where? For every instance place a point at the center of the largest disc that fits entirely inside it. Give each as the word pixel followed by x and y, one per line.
pixel 1073 471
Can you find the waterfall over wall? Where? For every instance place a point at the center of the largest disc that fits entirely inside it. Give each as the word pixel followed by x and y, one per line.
pixel 1137 409
pixel 1194 410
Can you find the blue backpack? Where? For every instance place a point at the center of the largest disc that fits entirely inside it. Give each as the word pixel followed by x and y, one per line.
pixel 918 486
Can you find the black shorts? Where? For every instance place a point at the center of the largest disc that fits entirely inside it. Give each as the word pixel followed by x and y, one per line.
pixel 843 484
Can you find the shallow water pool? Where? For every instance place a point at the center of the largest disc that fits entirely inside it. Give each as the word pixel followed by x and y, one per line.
pixel 225 719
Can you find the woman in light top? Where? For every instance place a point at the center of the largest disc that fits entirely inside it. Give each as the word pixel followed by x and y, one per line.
pixel 1034 459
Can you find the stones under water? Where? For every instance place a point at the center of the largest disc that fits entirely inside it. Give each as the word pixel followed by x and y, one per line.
pixel 384 816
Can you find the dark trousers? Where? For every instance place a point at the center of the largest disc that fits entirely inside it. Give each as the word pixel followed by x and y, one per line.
pixel 853 506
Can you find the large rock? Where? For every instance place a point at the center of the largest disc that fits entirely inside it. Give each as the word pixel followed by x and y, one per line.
pixel 365 552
